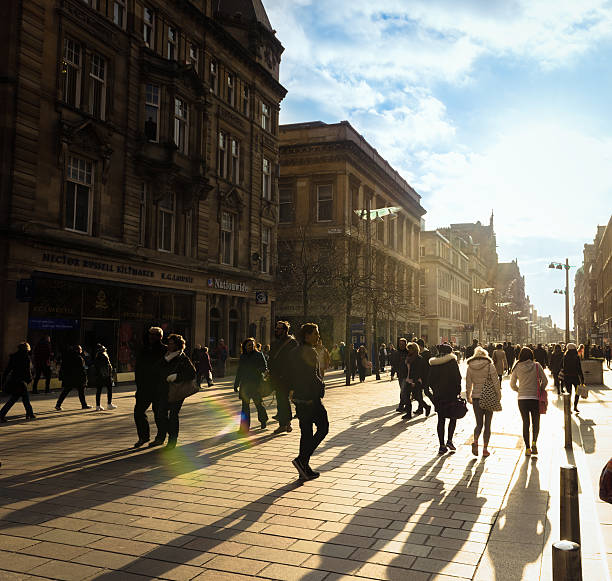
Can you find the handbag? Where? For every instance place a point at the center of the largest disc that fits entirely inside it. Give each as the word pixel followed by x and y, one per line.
pixel 489 400
pixel 542 395
pixel 265 387
pixel 181 390
pixel 455 409
pixel 583 391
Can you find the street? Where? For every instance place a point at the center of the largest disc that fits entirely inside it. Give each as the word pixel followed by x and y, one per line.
pixel 79 503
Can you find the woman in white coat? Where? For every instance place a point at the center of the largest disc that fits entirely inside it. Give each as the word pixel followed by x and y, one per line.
pixel 480 367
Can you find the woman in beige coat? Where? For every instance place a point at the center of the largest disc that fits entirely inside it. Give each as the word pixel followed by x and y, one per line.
pixel 480 366
pixel 500 361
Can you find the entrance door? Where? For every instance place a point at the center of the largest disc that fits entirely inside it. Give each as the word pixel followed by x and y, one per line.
pixel 104 331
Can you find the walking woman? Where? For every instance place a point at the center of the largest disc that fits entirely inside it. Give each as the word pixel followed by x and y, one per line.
pixel 72 375
pixel 15 379
pixel 481 368
pixel 528 373
pixel 362 363
pixel 101 376
pixel 174 367
pixel 445 381
pixel 248 384
pixel 499 360
pixel 556 363
pixel 572 372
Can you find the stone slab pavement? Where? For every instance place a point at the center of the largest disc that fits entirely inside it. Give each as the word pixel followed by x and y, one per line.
pixel 77 502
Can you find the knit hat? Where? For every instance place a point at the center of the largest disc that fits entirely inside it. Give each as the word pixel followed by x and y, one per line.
pixel 571 346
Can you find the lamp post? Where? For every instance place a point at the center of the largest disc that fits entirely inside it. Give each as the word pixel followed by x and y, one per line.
pixel 561 266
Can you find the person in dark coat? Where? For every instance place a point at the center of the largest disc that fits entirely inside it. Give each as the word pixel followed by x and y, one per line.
pixel 510 357
pixel 541 356
pixel 363 363
pixel 204 367
pixel 220 354
pixel 418 369
pixel 249 376
pixel 390 358
pixel 382 357
pixel 42 363
pixel 572 372
pixel 100 376
pixel 280 366
pixel 469 350
pixel 556 363
pixel 308 391
pixel 149 388
pixel 73 376
pixel 398 364
pixel 444 379
pixel 608 354
pixel 173 367
pixel 17 374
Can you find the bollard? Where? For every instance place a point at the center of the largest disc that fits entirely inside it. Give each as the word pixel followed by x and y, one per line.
pixel 567 565
pixel 569 508
pixel 567 415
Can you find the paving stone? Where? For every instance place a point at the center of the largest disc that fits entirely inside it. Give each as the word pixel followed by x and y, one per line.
pixel 66 571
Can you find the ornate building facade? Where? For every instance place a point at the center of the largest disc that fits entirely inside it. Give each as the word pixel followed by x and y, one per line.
pixel 139 185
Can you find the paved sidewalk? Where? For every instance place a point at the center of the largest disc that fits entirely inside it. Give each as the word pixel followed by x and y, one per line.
pixel 76 502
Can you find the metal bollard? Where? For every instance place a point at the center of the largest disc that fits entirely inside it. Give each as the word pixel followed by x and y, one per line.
pixel 567 415
pixel 569 508
pixel 567 564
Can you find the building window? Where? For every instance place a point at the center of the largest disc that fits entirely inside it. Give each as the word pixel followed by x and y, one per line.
pixel 151 112
pixel 171 51
pixel 97 86
pixel 422 250
pixel 266 188
pixel 213 77
pixel 181 124
pixel 188 232
pixel 324 203
pixel 79 184
pixel 165 223
pixel 194 57
pixel 392 221
pixel 245 100
pixel 265 116
pixel 235 161
pixel 222 155
pixel 227 238
pixel 266 238
pixel 119 13
pixel 142 215
pixel 230 89
pixel 148 27
pixel 71 72
pixel 285 206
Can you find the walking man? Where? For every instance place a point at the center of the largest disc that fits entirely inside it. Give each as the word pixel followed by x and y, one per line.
pixel 398 364
pixel 148 388
pixel 308 390
pixel 42 363
pixel 279 366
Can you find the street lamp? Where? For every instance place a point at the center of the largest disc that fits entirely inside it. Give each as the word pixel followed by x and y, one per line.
pixel 561 266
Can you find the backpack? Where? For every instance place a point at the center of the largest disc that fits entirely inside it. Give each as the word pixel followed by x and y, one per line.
pixel 605 483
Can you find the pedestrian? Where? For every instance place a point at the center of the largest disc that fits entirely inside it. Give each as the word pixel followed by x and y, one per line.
pixel 424 352
pixel 572 372
pixel 509 351
pixel 352 360
pixel 100 376
pixel 416 379
pixel 308 392
pixel 469 350
pixel 444 379
pixel 541 356
pixel 336 357
pixel 173 367
pixel 43 354
pixel 249 377
pixel 531 378
pixel 342 349
pixel 382 357
pixel 500 361
pixel 363 363
pixel 398 366
pixel 204 367
pixel 555 364
pixel 280 367
pixel 323 356
pixel 149 387
pixel 480 369
pixel 73 376
pixel 220 355
pixel 608 354
pixel 15 378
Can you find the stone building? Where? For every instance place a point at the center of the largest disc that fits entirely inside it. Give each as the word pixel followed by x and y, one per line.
pixel 510 287
pixel 330 179
pixel 139 148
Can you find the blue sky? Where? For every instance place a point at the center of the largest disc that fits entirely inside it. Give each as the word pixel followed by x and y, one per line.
pixel 481 105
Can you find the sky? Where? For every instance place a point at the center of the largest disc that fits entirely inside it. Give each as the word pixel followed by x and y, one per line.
pixel 481 105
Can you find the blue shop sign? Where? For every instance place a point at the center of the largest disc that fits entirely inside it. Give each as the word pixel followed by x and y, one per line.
pixel 54 324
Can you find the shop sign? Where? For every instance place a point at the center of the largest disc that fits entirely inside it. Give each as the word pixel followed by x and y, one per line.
pixel 54 324
pixel 219 283
pixel 261 297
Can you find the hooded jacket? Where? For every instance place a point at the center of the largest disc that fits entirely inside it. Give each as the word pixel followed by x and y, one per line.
pixel 480 366
pixel 526 372
pixel 444 378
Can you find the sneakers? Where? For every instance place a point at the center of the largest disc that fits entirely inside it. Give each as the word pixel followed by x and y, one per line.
pixel 99 408
pixel 297 463
pixel 111 406
pixel 450 445
pixel 534 448
pixel 140 443
pixel 443 450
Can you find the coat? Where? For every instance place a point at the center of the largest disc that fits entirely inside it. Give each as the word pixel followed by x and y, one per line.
pixel 307 381
pixel 556 361
pixel 280 362
pixel 100 371
pixel 526 373
pixel 72 372
pixel 17 373
pixel 179 364
pixel 146 375
pixel 42 354
pixel 479 368
pixel 398 363
pixel 444 379
pixel 248 375
pixel 500 361
pixel 419 370
pixel 572 368
pixel 541 356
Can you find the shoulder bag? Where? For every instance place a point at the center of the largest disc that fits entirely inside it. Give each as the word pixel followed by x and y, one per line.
pixel 542 395
pixel 178 391
pixel 455 409
pixel 489 400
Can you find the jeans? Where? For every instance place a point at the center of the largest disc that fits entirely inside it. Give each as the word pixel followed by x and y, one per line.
pixel 311 414
pixel 67 389
pixel 404 393
pixel 25 398
pixel 109 390
pixel 530 409
pixel 45 371
pixel 169 420
pixel 245 414
pixel 144 399
pixel 483 417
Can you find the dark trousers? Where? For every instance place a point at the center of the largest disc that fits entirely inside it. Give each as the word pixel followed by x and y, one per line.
pixel 25 398
pixel 483 418
pixel 572 381
pixel 309 415
pixel 45 371
pixel 557 381
pixel 67 389
pixel 169 420
pixel 530 413
pixel 362 373
pixel 452 423
pixel 109 389
pixel 283 406
pixel 144 399
pixel 245 414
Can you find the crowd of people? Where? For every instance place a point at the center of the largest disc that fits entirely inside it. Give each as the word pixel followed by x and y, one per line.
pixel 293 368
